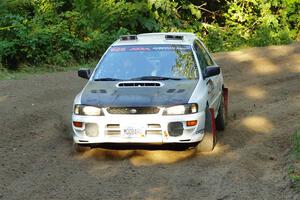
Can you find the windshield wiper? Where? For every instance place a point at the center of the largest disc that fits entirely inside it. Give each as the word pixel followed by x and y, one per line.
pixel 107 79
pixel 153 78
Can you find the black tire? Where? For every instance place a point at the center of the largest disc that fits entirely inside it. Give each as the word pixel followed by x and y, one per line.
pixel 221 118
pixel 79 148
pixel 209 140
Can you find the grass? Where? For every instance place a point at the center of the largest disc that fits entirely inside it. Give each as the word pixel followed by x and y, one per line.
pixel 294 168
pixel 25 71
pixel 296 139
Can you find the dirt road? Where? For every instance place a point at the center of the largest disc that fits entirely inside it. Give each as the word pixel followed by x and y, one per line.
pixel 249 162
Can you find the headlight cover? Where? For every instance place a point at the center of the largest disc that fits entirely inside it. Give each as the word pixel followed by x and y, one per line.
pixel 87 110
pixel 182 109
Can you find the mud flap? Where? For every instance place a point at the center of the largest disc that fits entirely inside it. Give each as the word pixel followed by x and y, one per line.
pixel 226 99
pixel 213 124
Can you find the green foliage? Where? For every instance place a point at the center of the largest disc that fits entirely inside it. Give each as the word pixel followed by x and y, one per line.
pixel 294 167
pixel 263 23
pixel 67 32
pixel 215 39
pixel 296 143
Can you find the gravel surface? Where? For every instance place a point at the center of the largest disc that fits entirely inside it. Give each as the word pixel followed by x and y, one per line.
pixel 249 162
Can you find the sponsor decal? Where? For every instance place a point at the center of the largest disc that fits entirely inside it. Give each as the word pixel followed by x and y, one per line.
pixel 139 49
pixel 151 48
pixel 117 49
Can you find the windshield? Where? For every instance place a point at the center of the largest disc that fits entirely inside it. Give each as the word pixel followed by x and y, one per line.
pixel 147 62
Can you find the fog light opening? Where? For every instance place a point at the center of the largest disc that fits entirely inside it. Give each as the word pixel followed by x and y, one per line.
pixel 191 123
pixel 78 124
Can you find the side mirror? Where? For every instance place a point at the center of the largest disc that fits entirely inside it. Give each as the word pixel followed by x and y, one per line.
pixel 84 73
pixel 211 71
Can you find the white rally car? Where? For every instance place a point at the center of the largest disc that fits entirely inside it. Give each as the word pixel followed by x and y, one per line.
pixel 155 88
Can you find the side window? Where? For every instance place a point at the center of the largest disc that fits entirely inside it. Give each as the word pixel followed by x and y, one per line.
pixel 200 56
pixel 206 55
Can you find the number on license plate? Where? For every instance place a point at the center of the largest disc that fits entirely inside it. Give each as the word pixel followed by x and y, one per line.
pixel 132 132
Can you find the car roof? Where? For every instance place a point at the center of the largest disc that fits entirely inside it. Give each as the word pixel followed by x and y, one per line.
pixel 157 38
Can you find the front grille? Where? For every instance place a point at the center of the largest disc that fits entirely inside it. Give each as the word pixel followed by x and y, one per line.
pixel 113 129
pixel 154 132
pixel 113 132
pixel 113 126
pixel 154 129
pixel 154 126
pixel 133 110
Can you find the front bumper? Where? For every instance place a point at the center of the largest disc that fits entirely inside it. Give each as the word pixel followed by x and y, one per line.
pixel 153 128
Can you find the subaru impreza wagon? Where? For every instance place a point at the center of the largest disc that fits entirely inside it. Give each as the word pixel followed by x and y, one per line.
pixel 155 88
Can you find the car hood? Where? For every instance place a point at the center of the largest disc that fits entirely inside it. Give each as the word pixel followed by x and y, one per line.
pixel 107 94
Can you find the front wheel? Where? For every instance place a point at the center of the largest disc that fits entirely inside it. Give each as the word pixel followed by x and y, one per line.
pixel 209 140
pixel 79 148
pixel 221 118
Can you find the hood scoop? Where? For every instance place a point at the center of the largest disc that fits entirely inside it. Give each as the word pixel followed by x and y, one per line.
pixel 129 84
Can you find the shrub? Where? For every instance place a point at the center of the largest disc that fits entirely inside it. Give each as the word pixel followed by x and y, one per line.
pixel 63 32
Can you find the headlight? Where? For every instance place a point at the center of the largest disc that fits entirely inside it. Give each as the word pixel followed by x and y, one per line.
pixel 182 109
pixel 87 110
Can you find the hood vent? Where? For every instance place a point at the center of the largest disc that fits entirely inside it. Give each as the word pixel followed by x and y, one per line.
pixel 139 84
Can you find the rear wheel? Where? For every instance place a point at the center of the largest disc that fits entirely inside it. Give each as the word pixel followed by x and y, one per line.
pixel 209 140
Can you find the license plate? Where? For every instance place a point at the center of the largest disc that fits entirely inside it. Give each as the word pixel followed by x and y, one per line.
pixel 133 132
